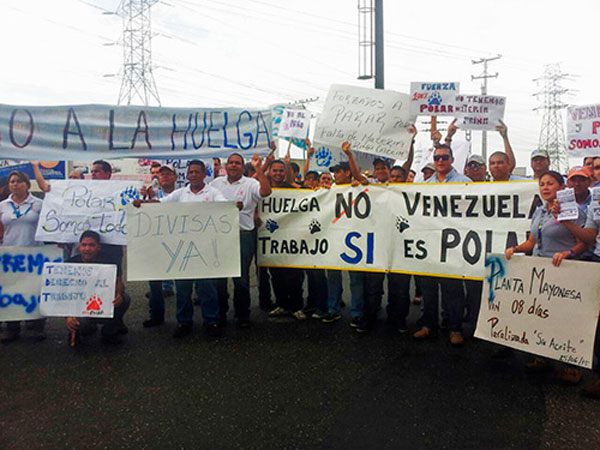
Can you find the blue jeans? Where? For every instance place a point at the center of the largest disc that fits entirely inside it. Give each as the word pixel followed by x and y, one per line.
pixel 334 288
pixel 206 290
pixel 453 301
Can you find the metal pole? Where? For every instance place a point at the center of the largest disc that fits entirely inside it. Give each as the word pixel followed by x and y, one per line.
pixel 378 44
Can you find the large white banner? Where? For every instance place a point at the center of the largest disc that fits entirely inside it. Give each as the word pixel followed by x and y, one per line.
pixel 435 229
pixel 88 132
pixel 188 240
pixel 78 290
pixel 73 206
pixel 583 130
pixel 21 278
pixel 374 121
pixel 433 98
pixel 479 112
pixel 530 305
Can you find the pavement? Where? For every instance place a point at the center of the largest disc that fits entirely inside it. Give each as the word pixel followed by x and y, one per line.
pixel 280 385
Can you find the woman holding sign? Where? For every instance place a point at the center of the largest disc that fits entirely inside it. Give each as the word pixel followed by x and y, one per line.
pixel 19 215
pixel 550 238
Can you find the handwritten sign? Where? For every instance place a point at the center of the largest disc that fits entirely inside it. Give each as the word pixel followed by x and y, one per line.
pixel 374 121
pixel 479 112
pixel 73 206
pixel 90 132
pixel 583 130
pixel 78 290
pixel 295 123
pixel 188 240
pixel 433 98
pixel 530 305
pixel 21 278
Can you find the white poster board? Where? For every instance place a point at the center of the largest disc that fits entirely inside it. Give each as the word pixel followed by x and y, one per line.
pixel 374 121
pixel 73 206
pixel 188 240
pixel 583 130
pixel 479 112
pixel 295 123
pixel 530 305
pixel 78 290
pixel 433 98
pixel 21 278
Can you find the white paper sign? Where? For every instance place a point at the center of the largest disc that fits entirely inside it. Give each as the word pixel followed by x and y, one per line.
pixel 78 290
pixel 569 210
pixel 73 206
pixel 374 121
pixel 583 130
pixel 188 240
pixel 479 112
pixel 295 123
pixel 594 204
pixel 21 278
pixel 533 306
pixel 433 98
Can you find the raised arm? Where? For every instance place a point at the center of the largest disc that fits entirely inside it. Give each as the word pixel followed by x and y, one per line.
pixel 45 187
pixel 452 129
pixel 411 153
pixel 353 167
pixel 265 186
pixel 309 152
pixel 503 130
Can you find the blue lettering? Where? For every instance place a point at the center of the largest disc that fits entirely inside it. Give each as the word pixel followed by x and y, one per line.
pixel 258 132
pixel 196 147
pixel 246 134
pixel 226 118
pixel 497 270
pixel 358 252
pixel 210 128
pixel 17 299
pixel 185 132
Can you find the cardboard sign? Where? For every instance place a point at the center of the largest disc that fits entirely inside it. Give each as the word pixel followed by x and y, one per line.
pixel 533 306
pixel 78 290
pixel 374 121
pixel 433 98
pixel 583 130
pixel 73 206
pixel 21 278
pixel 188 240
pixel 479 112
pixel 295 123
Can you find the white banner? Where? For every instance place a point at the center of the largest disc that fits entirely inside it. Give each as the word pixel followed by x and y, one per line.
pixel 374 121
pixel 88 132
pixel 188 240
pixel 435 229
pixel 295 123
pixel 73 206
pixel 78 290
pixel 21 279
pixel 479 112
pixel 583 130
pixel 530 305
pixel 433 98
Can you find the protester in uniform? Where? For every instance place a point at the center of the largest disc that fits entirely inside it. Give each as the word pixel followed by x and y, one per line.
pixel 452 289
pixel 247 192
pixel 19 215
pixel 90 253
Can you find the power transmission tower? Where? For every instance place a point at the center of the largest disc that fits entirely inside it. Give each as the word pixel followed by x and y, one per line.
pixel 484 76
pixel 137 81
pixel 552 137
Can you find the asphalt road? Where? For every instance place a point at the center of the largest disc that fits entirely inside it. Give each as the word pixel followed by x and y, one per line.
pixel 280 385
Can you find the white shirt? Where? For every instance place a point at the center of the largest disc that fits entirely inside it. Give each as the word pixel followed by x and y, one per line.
pixel 185 194
pixel 245 190
pixel 20 221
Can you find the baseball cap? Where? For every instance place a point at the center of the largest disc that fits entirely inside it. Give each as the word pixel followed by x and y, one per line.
pixel 169 167
pixel 578 171
pixel 477 159
pixel 340 166
pixel 429 166
pixel 539 152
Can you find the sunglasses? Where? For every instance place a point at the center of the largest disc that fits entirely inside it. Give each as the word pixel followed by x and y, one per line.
pixel 474 165
pixel 441 157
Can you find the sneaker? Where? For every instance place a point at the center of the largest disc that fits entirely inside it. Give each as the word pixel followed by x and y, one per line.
pixel 424 333
pixel 318 314
pixel 299 315
pixel 152 322
pixel 402 327
pixel 570 376
pixel 182 331
pixel 592 390
pixel 330 318
pixel 456 339
pixel 364 325
pixel 278 312
pixel 355 322
pixel 244 323
pixel 214 330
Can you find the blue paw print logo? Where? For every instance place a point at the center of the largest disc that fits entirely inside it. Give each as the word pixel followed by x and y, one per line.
pixel 129 194
pixel 323 157
pixel 434 99
pixel 209 171
pixel 271 225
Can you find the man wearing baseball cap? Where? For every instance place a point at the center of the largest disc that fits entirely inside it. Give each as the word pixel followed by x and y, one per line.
pixel 579 178
pixel 475 168
pixel 428 171
pixel 540 162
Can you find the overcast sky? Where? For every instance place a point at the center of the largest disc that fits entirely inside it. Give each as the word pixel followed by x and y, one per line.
pixel 259 52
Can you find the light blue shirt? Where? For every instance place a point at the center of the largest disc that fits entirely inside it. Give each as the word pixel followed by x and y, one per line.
pixel 452 177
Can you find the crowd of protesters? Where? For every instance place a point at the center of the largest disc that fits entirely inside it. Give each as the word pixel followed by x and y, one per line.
pixel 246 183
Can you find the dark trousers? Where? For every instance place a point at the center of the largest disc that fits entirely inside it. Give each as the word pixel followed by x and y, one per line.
pixel 156 302
pixel 287 285
pixel 473 299
pixel 264 286
pixel 111 326
pixel 398 296
pixel 373 286
pixel 317 289
pixel 241 285
pixel 454 301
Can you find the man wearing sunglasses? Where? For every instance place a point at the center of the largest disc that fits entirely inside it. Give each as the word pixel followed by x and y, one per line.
pixel 475 168
pixel 444 171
